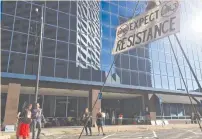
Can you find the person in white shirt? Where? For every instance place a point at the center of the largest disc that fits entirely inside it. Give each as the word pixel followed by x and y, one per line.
pixel 103 116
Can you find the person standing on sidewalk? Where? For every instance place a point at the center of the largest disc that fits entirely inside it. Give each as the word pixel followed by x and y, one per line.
pixel 38 117
pixel 24 122
pixel 99 122
pixel 87 120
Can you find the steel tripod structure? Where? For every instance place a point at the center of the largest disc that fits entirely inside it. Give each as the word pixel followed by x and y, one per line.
pixel 187 91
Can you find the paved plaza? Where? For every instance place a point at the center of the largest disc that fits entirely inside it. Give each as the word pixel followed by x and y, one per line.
pixel 161 134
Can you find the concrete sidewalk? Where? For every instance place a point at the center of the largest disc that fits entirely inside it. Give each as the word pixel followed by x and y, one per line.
pixel 116 128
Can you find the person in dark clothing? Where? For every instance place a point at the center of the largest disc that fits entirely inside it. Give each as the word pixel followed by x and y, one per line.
pixel 87 120
pixel 38 117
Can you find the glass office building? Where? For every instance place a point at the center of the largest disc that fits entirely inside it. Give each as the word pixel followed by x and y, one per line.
pixel 77 44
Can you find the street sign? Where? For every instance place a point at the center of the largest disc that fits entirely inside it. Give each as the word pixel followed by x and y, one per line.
pixel 100 96
pixel 157 23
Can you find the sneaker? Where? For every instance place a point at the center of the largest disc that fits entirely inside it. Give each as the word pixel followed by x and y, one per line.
pixel 104 134
pixel 98 134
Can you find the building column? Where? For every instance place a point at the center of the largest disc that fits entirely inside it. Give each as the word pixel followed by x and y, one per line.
pixel 12 104
pixel 149 103
pixel 93 95
pixel 152 107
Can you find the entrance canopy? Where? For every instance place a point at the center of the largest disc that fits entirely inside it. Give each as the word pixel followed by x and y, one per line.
pixel 176 99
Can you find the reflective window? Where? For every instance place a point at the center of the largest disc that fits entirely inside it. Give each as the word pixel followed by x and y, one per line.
pixel 129 13
pixel 85 74
pixel 52 4
pixel 47 67
pixel 173 110
pixel 197 65
pixel 190 85
pixel 49 31
pixel 105 18
pixel 168 58
pixel 176 71
pixel 113 9
pixel 6 39
pixel 133 63
pixel 170 69
pixel 63 20
pixel 155 56
pixel 73 70
pixel 125 61
pixel 49 106
pixel 49 48
pixel 163 68
pixel 19 43
pixel 122 11
pixel 157 79
pixel 122 3
pixel 62 50
pixel 23 9
pixel 36 15
pixel 105 31
pixel 33 44
pixel 61 69
pixel 164 82
pixel 148 65
pixel 141 64
pixel 131 4
pixel 105 58
pixel 61 104
pixel 142 79
pixel 140 52
pixel 149 80
pixel 17 63
pixel 156 67
pixel 105 5
pixel 178 84
pixel 31 64
pixel 73 7
pixel 125 77
pixel 63 35
pixel 73 22
pixel 8 7
pixel 21 25
pixel 4 61
pixel 72 52
pixel 51 17
pixel 97 75
pixel 72 106
pixel 106 45
pixel 171 81
pixel 73 36
pixel 198 74
pixel 7 21
pixel 162 57
pixel 113 33
pixel 64 6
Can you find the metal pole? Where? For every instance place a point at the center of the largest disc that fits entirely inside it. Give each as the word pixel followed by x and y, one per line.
pixel 39 56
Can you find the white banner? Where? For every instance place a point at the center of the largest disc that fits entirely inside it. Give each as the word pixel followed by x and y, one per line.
pixel 157 23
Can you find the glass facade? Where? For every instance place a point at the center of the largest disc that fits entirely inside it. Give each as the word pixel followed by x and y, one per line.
pixel 78 40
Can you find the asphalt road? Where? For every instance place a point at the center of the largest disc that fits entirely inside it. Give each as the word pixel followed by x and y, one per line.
pixel 162 134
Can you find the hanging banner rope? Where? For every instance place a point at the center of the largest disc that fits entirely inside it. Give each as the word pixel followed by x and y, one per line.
pixel 157 23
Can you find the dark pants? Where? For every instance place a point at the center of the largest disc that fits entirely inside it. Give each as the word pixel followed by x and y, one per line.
pixel 36 124
pixel 88 126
